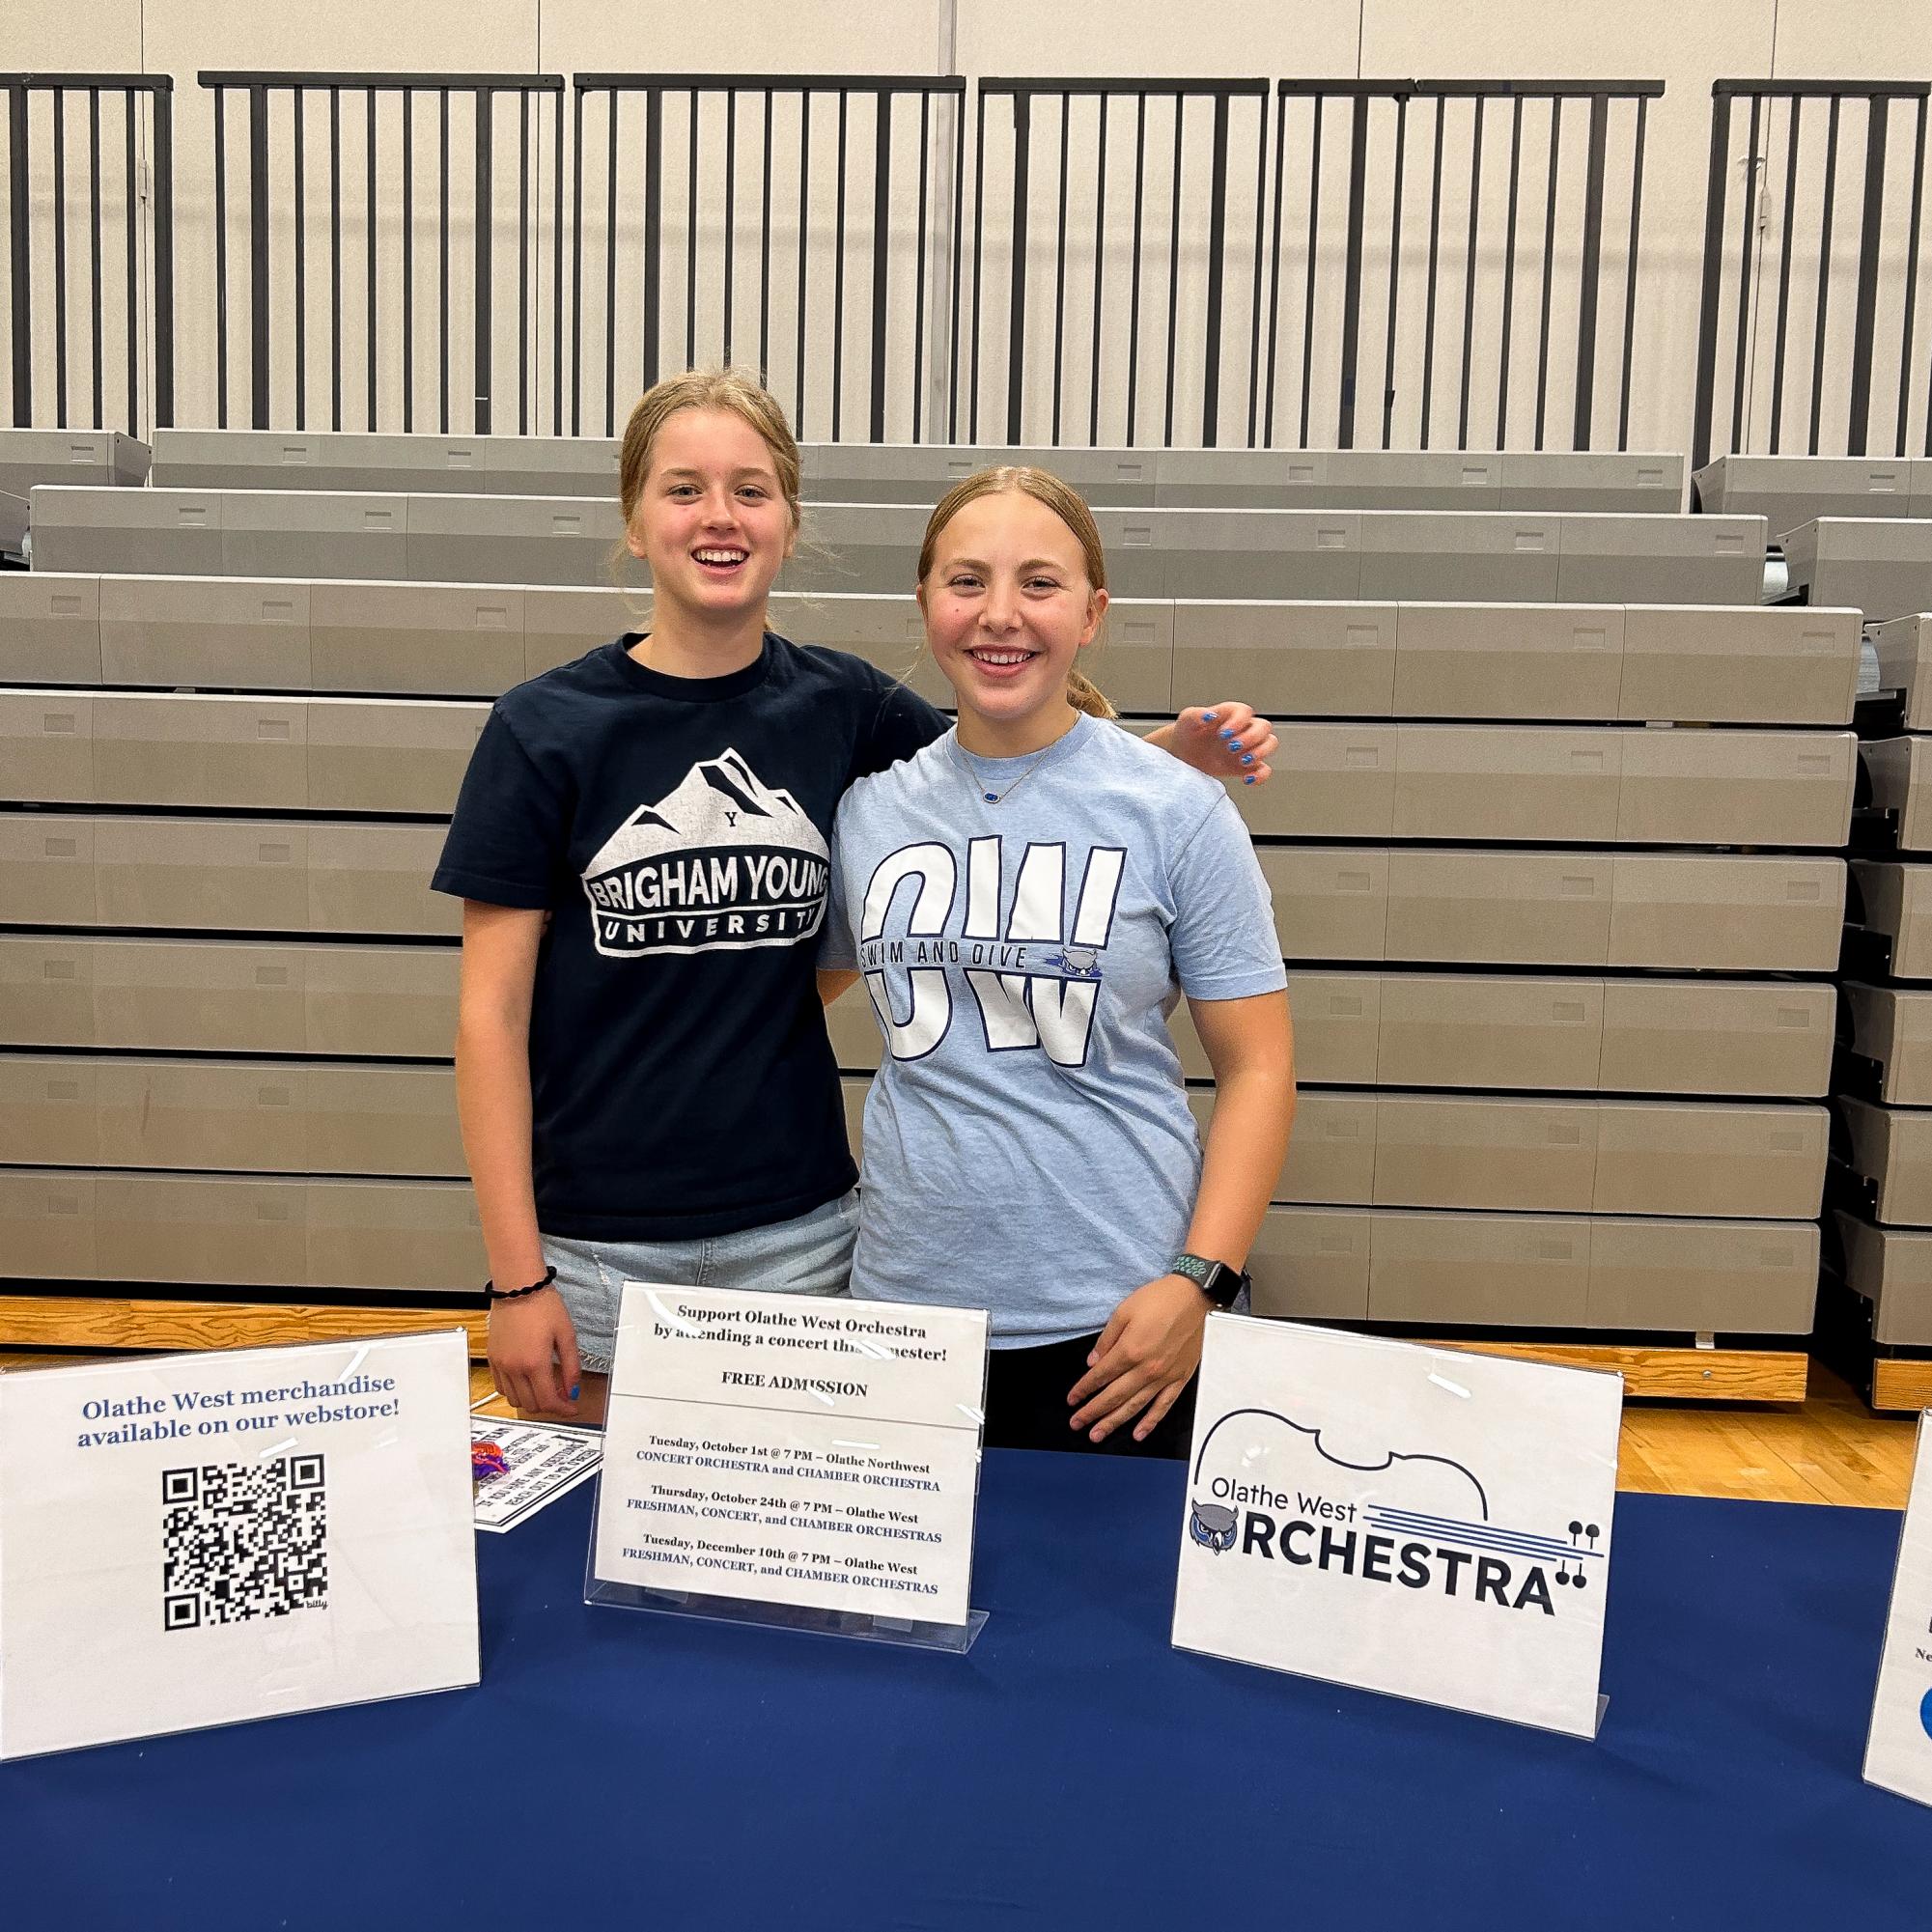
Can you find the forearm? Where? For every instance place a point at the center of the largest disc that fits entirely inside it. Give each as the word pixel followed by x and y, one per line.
pixel 833 982
pixel 1247 1143
pixel 493 1096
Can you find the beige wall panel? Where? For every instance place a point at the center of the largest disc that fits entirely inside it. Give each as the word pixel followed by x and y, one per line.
pixel 1704 1277
pixel 235 1115
pixel 375 879
pixel 47 870
pixel 1473 1032
pixel 1507 782
pixel 389 756
pixel 199 996
pixel 1691 662
pixel 233 633
pixel 46 991
pixel 1291 659
pixel 1311 1264
pixel 380 999
pixel 393 1234
pixel 1508 1271
pixel 384 1120
pixel 49 629
pixel 1747 915
pixel 200 1228
pixel 1330 903
pixel 436 639
pixel 1717 1037
pixel 1520 661
pixel 166 750
pixel 1515 908
pixel 235 875
pixel 1737 787
pixel 48 1224
pixel 50 1111
pixel 1483 1152
pixel 1734 1162
pixel 46 746
pixel 1330 781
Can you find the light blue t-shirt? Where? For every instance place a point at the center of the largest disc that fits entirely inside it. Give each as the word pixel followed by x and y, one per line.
pixel 1029 1145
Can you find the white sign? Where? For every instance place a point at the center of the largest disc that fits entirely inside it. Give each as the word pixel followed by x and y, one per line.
pixel 1898 1751
pixel 1422 1521
pixel 792 1450
pixel 195 1539
pixel 519 1467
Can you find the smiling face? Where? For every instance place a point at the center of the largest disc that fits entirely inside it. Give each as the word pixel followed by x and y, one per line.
pixel 711 520
pixel 1008 607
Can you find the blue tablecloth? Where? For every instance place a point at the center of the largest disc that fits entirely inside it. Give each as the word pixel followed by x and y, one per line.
pixel 624 1770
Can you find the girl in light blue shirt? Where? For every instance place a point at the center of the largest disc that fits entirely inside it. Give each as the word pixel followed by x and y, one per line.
pixel 1027 898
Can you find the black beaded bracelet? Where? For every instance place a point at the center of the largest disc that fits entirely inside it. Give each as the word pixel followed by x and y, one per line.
pixel 493 1293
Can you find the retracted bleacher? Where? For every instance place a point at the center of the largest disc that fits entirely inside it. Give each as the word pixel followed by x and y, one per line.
pixel 1555 840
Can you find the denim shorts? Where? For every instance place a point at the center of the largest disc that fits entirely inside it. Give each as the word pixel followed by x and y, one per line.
pixel 808 1255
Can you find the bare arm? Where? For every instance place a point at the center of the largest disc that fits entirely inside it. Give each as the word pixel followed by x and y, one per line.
pixel 1251 1044
pixel 1152 1346
pixel 532 1346
pixel 834 985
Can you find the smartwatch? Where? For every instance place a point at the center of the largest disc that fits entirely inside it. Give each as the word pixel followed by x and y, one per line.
pixel 1216 1280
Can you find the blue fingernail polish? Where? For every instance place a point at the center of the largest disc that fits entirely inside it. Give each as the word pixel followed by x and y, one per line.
pixel 1211 717
pixel 1247 758
pixel 574 1387
pixel 1250 779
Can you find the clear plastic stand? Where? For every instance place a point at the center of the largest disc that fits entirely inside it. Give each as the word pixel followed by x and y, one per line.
pixel 822 1454
pixel 866 1627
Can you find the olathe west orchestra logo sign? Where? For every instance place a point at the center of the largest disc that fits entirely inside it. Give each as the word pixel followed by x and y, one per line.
pixel 1454 1549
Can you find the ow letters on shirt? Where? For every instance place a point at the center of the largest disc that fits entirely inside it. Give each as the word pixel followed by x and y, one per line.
pixel 1032 983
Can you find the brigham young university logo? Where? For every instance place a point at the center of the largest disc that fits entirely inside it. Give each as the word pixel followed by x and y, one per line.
pixel 721 863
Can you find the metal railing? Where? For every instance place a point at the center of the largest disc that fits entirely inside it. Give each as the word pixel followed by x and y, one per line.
pixel 694 155
pixel 1789 378
pixel 1411 262
pixel 1385 130
pixel 289 121
pixel 1186 172
pixel 128 116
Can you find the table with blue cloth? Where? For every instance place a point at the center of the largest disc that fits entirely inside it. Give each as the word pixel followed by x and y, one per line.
pixel 1072 1770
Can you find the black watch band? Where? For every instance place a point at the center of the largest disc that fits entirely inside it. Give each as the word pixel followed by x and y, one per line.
pixel 1216 1280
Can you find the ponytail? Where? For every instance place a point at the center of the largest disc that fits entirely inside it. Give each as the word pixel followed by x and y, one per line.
pixel 1085 695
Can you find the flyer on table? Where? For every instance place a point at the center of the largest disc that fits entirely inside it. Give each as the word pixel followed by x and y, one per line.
pixel 1898 1749
pixel 792 1450
pixel 196 1539
pixel 1422 1521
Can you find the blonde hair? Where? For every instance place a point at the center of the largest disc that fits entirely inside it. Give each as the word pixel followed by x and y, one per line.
pixel 1069 506
pixel 733 390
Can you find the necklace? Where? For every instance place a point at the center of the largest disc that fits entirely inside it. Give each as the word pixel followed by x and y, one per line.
pixel 1000 797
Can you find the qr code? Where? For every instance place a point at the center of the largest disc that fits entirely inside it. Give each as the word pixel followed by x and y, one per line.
pixel 243 1540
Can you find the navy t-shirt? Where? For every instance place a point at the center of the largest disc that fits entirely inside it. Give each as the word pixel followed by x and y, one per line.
pixel 677 832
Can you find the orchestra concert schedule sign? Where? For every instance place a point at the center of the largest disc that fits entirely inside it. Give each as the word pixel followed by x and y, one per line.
pixel 791 1449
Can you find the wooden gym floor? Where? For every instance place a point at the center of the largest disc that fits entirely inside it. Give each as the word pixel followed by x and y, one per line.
pixel 1830 1448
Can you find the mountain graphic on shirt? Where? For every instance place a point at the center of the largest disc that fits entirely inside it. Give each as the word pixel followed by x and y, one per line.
pixel 723 861
pixel 720 801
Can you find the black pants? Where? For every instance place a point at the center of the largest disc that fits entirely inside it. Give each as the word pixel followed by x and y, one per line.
pixel 1026 1405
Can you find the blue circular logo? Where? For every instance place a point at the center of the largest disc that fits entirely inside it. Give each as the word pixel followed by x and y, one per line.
pixel 1925 1712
